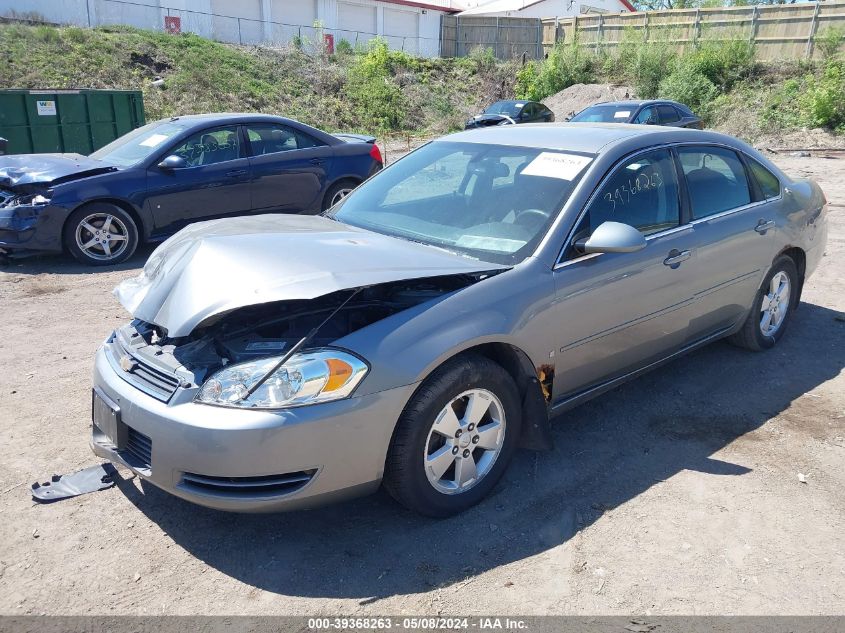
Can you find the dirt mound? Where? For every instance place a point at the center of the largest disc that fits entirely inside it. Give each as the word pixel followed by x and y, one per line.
pixel 577 97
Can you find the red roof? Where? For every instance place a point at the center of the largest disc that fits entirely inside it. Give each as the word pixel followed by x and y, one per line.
pixel 425 5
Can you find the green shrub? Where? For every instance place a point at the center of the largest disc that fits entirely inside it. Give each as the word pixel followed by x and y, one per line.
pixel 724 63
pixel 372 89
pixel 343 47
pixel 691 88
pixel 813 101
pixel 822 102
pixel 483 57
pixel 781 106
pixel 645 64
pixel 567 64
pixel 526 82
pixel 829 41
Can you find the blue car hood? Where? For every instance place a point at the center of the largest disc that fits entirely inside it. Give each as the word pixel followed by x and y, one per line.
pixel 24 171
pixel 210 268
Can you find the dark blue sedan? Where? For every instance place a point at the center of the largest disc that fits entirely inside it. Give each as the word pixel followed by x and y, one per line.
pixel 151 182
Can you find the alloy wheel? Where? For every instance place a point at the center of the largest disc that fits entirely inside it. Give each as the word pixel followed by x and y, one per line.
pixel 102 236
pixel 464 442
pixel 775 304
pixel 340 195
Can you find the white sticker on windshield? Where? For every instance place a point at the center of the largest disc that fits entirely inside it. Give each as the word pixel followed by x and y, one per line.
pixel 154 140
pixel 556 165
pixel 621 114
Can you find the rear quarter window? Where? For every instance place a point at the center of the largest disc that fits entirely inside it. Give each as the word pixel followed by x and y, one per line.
pixel 767 181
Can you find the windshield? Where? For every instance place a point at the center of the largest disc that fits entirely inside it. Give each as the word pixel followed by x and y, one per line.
pixel 130 149
pixel 490 202
pixel 604 114
pixel 508 108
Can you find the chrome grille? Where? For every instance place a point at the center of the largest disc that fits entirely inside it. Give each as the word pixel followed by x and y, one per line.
pixel 260 486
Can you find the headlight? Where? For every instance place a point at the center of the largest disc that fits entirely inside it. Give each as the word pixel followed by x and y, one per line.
pixel 306 378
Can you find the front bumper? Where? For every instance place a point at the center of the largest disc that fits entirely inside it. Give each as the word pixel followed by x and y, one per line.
pixel 32 228
pixel 222 458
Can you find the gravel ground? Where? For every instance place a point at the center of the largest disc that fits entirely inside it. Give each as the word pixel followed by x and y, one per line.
pixel 678 493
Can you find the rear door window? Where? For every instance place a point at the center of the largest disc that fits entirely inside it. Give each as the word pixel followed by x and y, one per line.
pixel 668 114
pixel 716 180
pixel 646 115
pixel 273 138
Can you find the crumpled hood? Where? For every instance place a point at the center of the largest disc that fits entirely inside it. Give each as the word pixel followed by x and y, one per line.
pixel 210 268
pixel 19 170
pixel 483 120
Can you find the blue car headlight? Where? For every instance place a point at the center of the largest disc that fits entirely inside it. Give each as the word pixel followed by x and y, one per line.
pixel 308 377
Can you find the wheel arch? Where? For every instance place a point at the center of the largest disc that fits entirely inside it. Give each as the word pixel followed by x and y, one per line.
pixel 355 180
pixel 536 427
pixel 797 255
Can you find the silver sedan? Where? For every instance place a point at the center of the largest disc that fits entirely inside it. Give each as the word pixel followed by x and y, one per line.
pixel 443 313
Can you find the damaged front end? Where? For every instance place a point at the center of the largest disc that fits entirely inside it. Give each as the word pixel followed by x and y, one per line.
pixel 245 310
pixel 286 346
pixel 27 184
pixel 19 215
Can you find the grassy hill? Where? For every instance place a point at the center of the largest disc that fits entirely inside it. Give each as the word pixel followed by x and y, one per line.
pixel 373 92
pixel 381 91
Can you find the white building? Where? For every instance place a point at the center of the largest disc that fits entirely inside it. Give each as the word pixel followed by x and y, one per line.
pixel 544 8
pixel 409 25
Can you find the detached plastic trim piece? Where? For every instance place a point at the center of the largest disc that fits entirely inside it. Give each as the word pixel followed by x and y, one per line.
pixel 90 479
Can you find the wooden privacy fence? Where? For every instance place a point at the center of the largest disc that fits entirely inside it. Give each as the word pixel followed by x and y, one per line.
pixel 779 31
pixel 507 37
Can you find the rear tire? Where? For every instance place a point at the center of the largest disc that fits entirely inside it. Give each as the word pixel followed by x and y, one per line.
pixel 338 192
pixel 100 234
pixel 455 437
pixel 772 308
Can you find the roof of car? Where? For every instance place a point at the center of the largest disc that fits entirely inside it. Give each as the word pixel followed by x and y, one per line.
pixel 226 116
pixel 514 101
pixel 633 102
pixel 588 138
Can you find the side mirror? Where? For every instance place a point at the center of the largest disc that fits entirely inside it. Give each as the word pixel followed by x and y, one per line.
pixel 612 237
pixel 172 162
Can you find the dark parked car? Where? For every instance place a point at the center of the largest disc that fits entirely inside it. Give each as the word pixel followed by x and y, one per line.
pixel 151 182
pixel 509 112
pixel 653 112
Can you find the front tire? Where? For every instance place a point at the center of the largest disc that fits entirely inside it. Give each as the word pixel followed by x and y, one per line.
pixel 101 234
pixel 772 309
pixel 455 437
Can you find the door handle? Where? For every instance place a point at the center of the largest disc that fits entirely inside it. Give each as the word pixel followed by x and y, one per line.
pixel 236 173
pixel 676 257
pixel 764 225
pixel 317 161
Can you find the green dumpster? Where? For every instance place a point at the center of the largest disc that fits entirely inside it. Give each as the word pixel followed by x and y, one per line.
pixel 72 121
